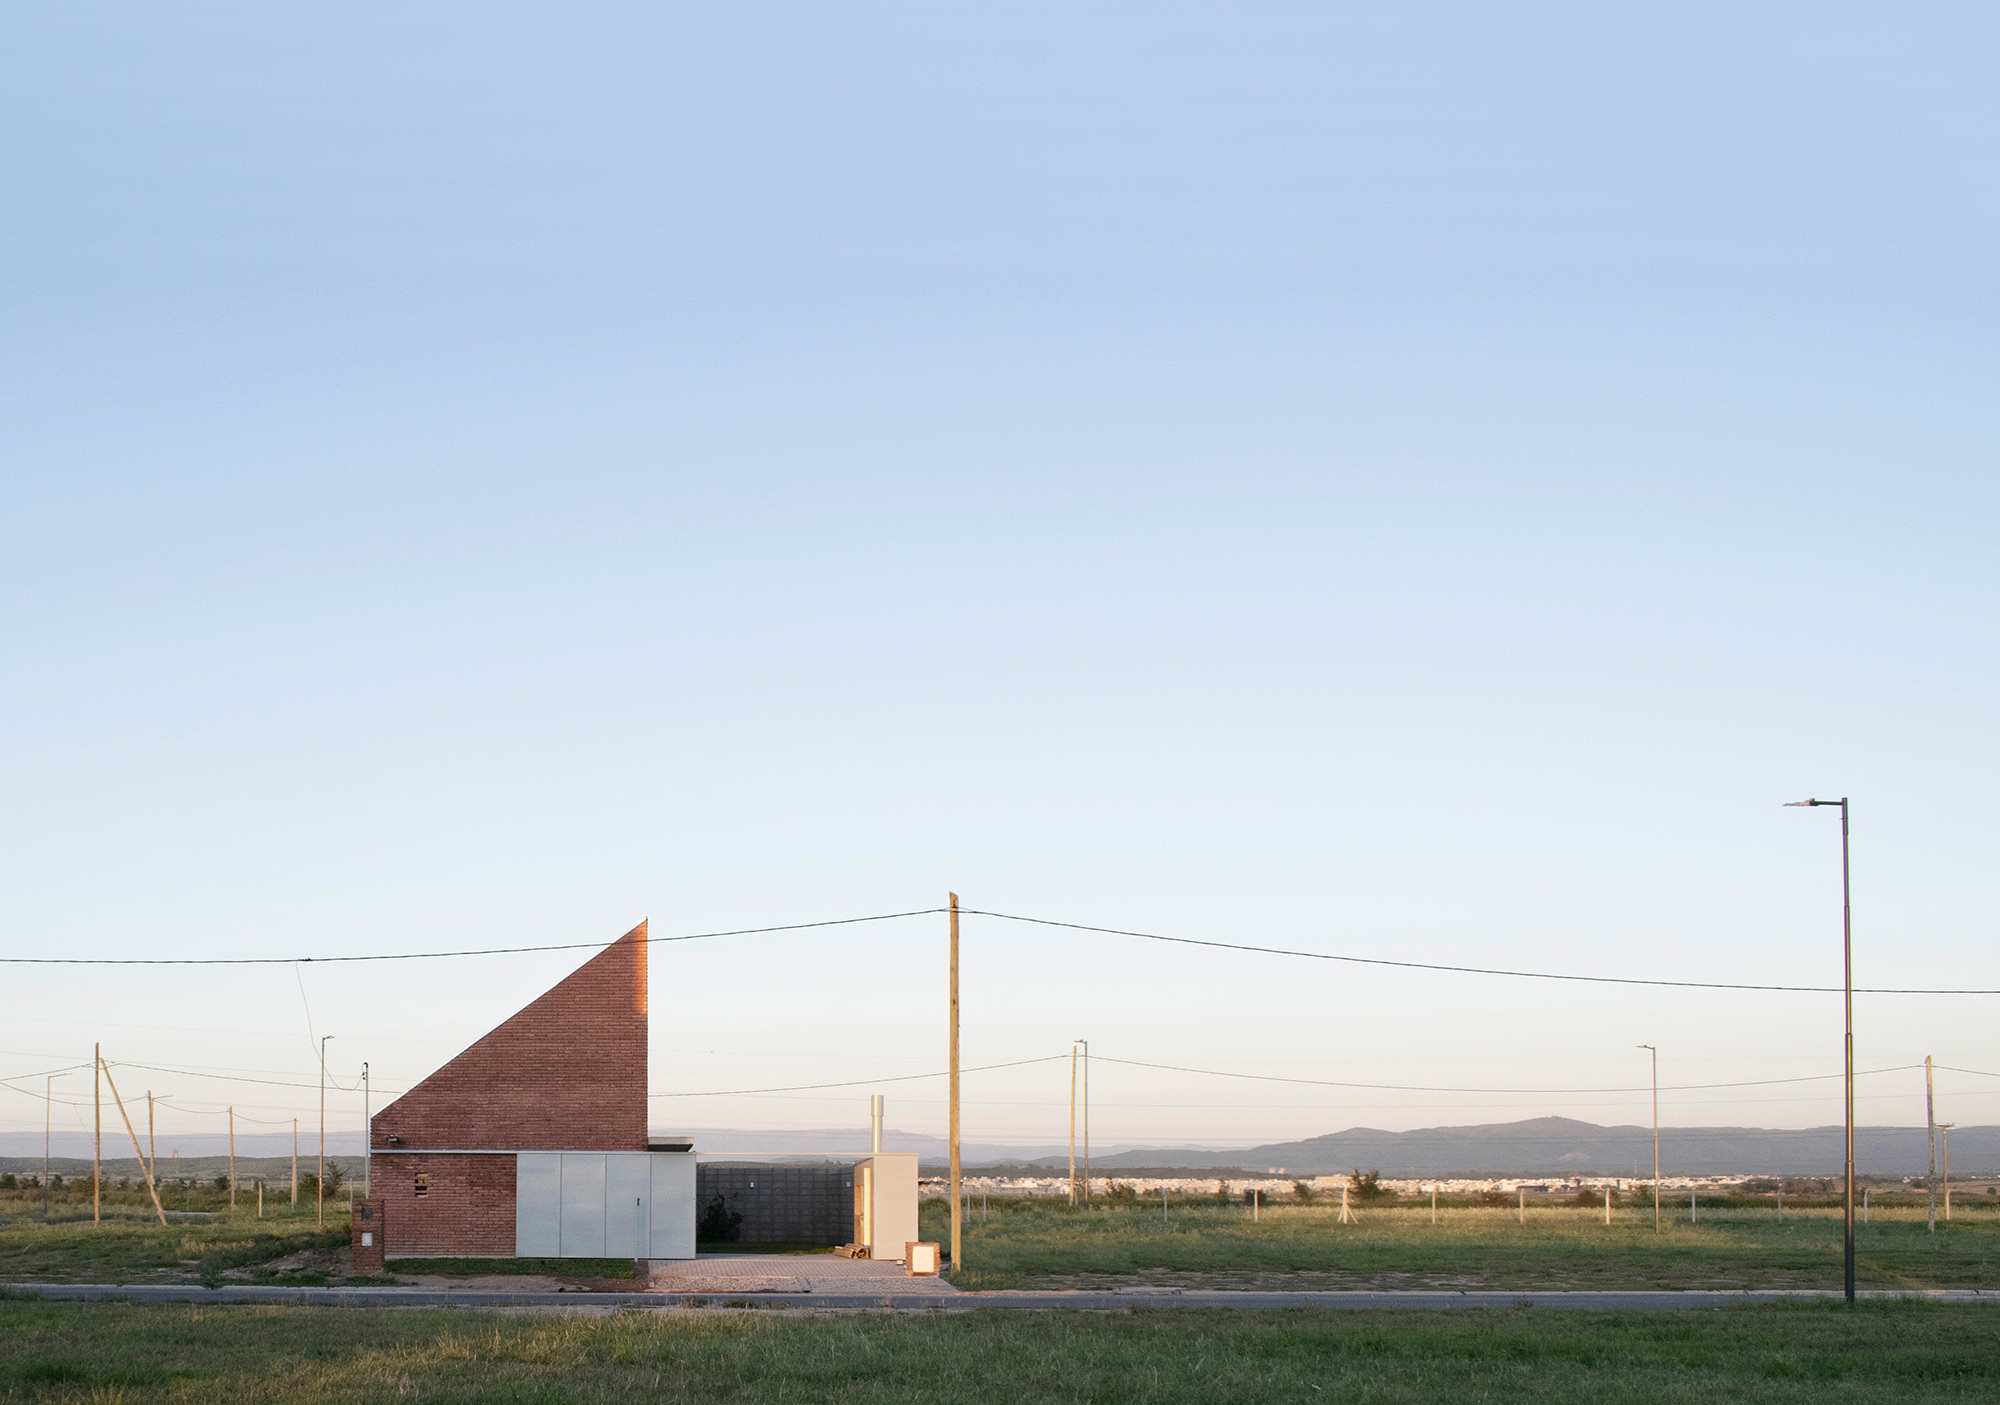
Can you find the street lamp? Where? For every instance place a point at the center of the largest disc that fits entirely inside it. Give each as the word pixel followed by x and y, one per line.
pixel 1656 1135
pixel 1847 984
pixel 319 1191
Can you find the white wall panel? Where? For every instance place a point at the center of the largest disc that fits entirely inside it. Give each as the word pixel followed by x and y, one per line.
pixel 538 1204
pixel 673 1205
pixel 583 1205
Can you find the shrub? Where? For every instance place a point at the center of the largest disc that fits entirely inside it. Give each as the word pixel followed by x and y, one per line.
pixel 718 1223
pixel 1302 1191
pixel 1369 1186
pixel 1222 1192
pixel 1121 1193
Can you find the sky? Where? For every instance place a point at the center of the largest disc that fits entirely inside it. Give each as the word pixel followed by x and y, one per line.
pixel 1425 482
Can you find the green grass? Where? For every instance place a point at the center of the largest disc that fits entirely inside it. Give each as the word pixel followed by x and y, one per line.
pixel 106 1352
pixel 129 1247
pixel 552 1268
pixel 1046 1245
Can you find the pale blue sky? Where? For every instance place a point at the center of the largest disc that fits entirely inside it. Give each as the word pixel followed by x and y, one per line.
pixel 1422 483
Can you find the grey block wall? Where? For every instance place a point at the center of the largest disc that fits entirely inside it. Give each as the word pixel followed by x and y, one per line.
pixel 797 1204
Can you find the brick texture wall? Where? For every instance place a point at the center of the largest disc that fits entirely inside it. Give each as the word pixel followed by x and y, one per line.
pixel 568 1073
pixel 781 1204
pixel 467 1209
pixel 366 1223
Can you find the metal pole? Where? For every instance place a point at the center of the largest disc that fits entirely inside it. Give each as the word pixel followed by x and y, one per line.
pixel 48 1121
pixel 368 1136
pixel 319 1190
pixel 1847 981
pixel 1947 1126
pixel 1930 1122
pixel 957 1206
pixel 1656 1136
pixel 1847 992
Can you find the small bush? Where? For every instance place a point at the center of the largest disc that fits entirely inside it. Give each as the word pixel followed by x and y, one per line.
pixel 1302 1191
pixel 718 1223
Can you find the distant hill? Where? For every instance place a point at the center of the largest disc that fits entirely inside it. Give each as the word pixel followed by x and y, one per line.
pixel 1563 1146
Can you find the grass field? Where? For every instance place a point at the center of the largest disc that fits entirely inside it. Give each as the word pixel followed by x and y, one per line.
pixel 1040 1245
pixel 108 1353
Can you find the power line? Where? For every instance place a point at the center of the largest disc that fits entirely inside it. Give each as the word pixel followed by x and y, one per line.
pixel 1462 970
pixel 1421 1088
pixel 1005 917
pixel 437 955
pixel 854 1082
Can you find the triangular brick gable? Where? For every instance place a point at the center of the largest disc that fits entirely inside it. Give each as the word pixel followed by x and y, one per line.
pixel 568 1073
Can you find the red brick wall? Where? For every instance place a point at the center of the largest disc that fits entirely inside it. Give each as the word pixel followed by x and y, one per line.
pixel 368 1220
pixel 568 1073
pixel 468 1208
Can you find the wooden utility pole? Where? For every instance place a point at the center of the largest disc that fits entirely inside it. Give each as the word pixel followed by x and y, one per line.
pixel 232 1157
pixel 295 1163
pixel 1086 1121
pixel 97 1135
pixel 957 1210
pixel 152 1142
pixel 1072 1125
pixel 137 1152
pixel 1930 1121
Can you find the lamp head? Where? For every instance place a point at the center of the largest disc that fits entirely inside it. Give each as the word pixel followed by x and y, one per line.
pixel 1795 804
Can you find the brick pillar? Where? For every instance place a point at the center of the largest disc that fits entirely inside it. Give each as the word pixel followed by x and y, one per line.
pixel 367 1234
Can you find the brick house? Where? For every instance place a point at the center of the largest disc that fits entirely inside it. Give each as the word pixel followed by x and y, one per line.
pixel 533 1141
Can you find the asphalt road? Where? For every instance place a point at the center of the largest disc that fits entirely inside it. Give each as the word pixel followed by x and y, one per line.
pixel 1639 1300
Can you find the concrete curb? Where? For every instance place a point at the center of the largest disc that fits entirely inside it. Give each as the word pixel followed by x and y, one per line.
pixel 1084 1300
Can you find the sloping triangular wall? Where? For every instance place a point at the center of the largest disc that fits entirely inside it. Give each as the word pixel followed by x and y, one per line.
pixel 568 1073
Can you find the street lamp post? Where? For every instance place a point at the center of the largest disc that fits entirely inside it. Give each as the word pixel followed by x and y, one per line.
pixel 1656 1136
pixel 1847 991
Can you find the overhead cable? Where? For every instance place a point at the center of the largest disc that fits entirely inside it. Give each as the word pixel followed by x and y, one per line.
pixel 1461 970
pixel 439 955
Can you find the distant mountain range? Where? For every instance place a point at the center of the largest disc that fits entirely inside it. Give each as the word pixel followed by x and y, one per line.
pixel 1541 1146
pixel 1563 1146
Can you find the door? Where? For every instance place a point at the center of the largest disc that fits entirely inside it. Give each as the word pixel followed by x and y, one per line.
pixel 628 1186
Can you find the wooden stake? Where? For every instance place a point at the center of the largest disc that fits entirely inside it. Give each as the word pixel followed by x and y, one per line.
pixel 1607 1204
pixel 1434 1204
pixel 957 1208
pixel 137 1152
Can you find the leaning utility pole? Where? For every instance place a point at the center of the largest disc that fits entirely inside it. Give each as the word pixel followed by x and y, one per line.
pixel 956 1261
pixel 1930 1122
pixel 152 1188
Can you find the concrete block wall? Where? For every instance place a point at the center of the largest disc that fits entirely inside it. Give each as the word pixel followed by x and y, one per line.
pixel 797 1204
